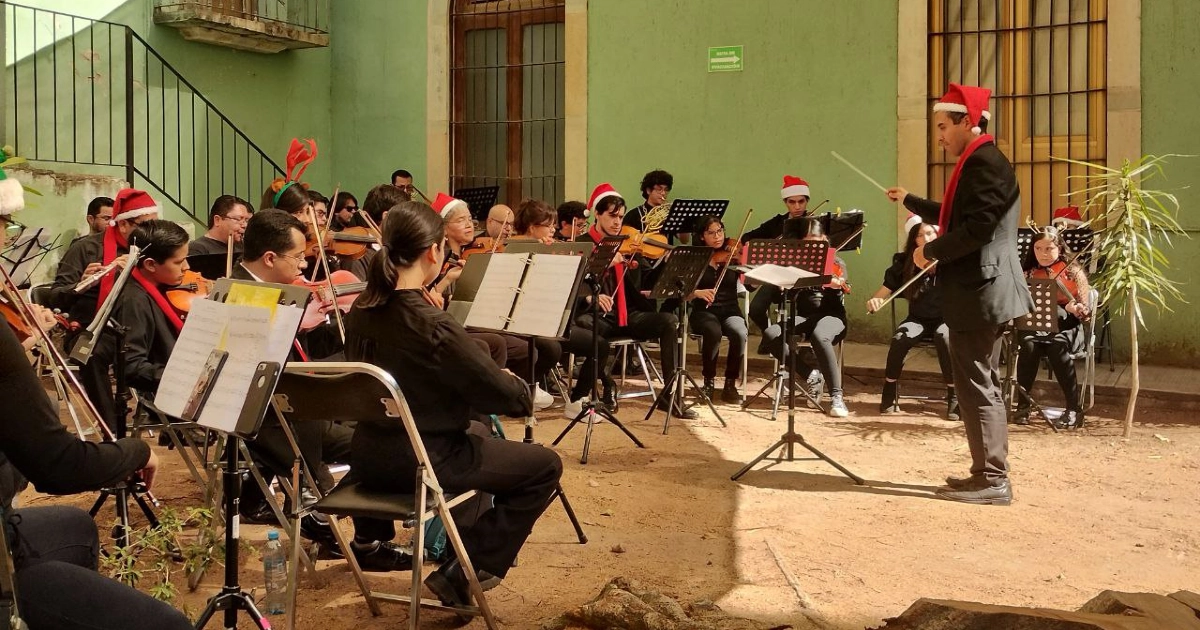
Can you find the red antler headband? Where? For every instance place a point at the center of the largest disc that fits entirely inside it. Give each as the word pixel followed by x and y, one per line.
pixel 298 159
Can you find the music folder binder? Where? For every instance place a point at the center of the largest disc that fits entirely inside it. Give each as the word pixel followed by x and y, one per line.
pixel 523 294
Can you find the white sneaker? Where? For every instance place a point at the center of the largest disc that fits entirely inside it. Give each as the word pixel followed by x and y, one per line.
pixel 573 407
pixel 541 399
pixel 837 406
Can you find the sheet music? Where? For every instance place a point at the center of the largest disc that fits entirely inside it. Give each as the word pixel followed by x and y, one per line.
pixel 778 276
pixel 544 295
pixel 497 291
pixel 248 335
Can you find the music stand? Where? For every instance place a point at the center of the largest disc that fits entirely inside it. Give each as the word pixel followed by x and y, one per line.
pixel 1024 242
pixel 210 266
pixel 684 212
pixel 597 265
pixel 677 279
pixel 1043 319
pixel 479 200
pixel 845 229
pixel 1079 241
pixel 810 256
pixel 249 419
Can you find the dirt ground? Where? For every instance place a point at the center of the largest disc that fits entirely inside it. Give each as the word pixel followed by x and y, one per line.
pixel 1092 511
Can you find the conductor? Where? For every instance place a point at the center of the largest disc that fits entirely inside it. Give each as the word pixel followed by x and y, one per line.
pixel 980 278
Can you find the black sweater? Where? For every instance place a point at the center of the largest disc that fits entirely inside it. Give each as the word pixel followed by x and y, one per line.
pixel 926 302
pixel 444 375
pixel 79 307
pixel 34 441
pixel 149 337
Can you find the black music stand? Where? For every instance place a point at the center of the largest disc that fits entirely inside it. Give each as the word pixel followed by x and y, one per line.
pixel 479 200
pixel 684 212
pixel 597 265
pixel 232 598
pixel 677 279
pixel 1024 242
pixel 784 253
pixel 1079 241
pixel 808 255
pixel 845 229
pixel 1043 319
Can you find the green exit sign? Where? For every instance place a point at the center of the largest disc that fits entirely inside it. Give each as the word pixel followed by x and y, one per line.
pixel 725 59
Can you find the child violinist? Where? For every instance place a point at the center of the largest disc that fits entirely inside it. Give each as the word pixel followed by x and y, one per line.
pixel 715 312
pixel 1046 260
pixel 924 320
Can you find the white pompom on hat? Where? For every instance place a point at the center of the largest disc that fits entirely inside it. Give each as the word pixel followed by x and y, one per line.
pixel 132 203
pixel 793 186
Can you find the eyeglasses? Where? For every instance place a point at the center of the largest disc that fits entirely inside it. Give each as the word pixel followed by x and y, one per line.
pixel 236 219
pixel 299 260
pixel 715 232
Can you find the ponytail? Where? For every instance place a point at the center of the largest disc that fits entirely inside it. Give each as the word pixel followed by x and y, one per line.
pixel 408 230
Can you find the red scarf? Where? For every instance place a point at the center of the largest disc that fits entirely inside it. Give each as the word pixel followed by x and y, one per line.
pixel 952 184
pixel 619 293
pixel 160 300
pixel 112 241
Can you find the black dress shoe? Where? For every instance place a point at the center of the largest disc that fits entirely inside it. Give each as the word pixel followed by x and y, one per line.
pixel 981 491
pixel 316 529
pixel 259 514
pixel 1070 419
pixel 449 583
pixel 381 556
pixel 952 407
pixel 1021 416
pixel 958 483
pixel 730 393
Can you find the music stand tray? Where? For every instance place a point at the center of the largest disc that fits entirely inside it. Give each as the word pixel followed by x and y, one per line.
pixel 684 212
pixel 479 200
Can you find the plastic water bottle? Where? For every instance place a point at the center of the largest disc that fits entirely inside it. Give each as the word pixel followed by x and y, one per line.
pixel 275 574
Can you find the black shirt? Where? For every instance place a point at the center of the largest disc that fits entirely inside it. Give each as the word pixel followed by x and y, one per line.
pixel 444 374
pixel 726 294
pixel 208 245
pixel 925 302
pixel 35 442
pixel 79 307
pixel 149 337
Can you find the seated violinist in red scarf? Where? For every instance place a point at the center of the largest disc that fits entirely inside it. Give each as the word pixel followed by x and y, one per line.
pixel 151 323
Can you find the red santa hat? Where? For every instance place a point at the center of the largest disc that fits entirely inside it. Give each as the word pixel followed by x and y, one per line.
pixel 601 191
pixel 132 203
pixel 444 204
pixel 1068 215
pixel 966 99
pixel 793 186
pixel 912 220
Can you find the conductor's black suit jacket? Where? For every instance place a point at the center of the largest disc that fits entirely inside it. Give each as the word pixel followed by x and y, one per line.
pixel 980 277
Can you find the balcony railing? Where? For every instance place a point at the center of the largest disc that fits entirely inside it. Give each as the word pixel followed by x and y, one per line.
pixel 254 25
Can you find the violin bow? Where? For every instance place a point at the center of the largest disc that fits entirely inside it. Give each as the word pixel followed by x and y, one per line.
pixel 736 244
pixel 324 260
pixel 904 287
pixel 229 255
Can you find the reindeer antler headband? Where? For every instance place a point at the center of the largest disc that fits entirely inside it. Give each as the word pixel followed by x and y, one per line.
pixel 299 157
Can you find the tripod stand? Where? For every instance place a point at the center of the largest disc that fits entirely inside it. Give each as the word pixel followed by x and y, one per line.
pixel 591 412
pixel 787 442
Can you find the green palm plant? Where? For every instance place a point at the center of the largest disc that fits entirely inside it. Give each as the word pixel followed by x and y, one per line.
pixel 1137 224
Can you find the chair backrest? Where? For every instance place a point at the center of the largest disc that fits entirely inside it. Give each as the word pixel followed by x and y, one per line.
pixel 345 392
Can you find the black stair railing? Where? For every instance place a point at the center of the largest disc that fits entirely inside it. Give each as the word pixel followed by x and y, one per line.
pixel 92 92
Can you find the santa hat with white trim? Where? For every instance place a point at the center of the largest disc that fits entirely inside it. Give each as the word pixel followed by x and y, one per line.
pixel 793 186
pixel 12 193
pixel 912 220
pixel 601 191
pixel 132 203
pixel 1067 215
pixel 444 204
pixel 966 99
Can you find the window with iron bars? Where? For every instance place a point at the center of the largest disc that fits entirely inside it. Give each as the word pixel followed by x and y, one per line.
pixel 1045 62
pixel 507 124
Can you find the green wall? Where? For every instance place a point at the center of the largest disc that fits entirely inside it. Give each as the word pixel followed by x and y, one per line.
pixel 1170 100
pixel 819 76
pixel 378 92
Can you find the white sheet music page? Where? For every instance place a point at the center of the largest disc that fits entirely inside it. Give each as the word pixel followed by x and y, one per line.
pixel 778 275
pixel 497 291
pixel 544 295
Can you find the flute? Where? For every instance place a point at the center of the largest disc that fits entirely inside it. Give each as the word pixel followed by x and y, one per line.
pixel 91 280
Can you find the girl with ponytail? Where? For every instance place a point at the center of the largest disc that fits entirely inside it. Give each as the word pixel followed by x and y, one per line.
pixel 448 381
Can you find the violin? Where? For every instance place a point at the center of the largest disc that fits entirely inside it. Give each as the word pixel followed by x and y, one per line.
pixel 648 244
pixel 312 247
pixel 728 253
pixel 352 242
pixel 482 245
pixel 346 287
pixel 837 273
pixel 1068 289
pixel 15 321
pixel 193 287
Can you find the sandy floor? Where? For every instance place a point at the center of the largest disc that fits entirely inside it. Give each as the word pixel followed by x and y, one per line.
pixel 1092 511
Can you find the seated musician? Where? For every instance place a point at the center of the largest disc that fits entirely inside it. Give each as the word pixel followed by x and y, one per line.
pixel 1047 260
pixel 447 381
pixel 624 310
pixel 345 212
pixel 572 220
pixel 87 256
pixel 715 313
pixel 227 218
pixel 499 222
pixel 795 195
pixel 820 315
pixel 376 204
pixel 924 320
pixel 656 187
pixel 55 549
